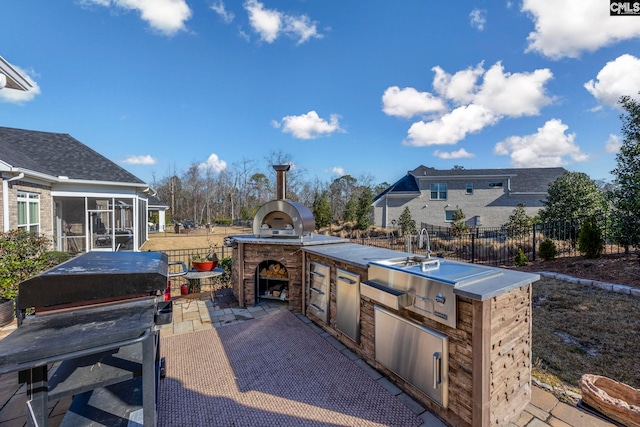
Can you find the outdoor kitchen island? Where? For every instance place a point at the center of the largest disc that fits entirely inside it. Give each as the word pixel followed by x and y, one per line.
pixel 454 336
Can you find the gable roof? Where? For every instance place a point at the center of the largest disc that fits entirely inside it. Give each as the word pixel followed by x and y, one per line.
pixel 523 180
pixel 58 155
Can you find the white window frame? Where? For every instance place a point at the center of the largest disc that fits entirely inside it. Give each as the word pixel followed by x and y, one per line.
pixel 449 214
pixel 438 190
pixel 29 199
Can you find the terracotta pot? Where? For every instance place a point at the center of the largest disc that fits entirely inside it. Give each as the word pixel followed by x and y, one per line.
pixel 6 311
pixel 204 265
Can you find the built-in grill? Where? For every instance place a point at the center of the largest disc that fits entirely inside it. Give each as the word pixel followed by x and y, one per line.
pixel 97 314
pixel 281 217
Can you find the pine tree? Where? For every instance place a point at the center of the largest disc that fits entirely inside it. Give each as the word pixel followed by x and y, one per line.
pixel 406 222
pixel 626 193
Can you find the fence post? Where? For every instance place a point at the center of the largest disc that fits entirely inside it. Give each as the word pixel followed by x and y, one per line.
pixel 534 242
pixel 473 248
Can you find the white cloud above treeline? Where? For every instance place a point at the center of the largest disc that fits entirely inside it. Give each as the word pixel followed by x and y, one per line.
pixel 617 78
pixel 214 163
pixel 165 16
pixel 269 24
pixel 567 28
pixel 309 125
pixel 466 102
pixel 548 147
pixel 140 160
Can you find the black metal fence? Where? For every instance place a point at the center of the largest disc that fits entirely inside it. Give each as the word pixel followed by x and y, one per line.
pixel 493 246
pixel 185 255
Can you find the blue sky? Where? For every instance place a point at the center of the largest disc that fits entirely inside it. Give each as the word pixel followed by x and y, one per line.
pixel 343 87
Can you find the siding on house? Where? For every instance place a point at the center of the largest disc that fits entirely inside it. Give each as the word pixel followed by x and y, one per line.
pixel 495 194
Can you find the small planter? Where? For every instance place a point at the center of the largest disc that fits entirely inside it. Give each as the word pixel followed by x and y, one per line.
pixel 204 265
pixel 6 311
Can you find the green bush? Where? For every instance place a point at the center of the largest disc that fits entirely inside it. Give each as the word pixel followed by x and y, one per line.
pixel 22 255
pixel 547 250
pixel 223 221
pixel 520 258
pixel 590 241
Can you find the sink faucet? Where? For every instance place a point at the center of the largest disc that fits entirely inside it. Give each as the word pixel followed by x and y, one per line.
pixel 422 232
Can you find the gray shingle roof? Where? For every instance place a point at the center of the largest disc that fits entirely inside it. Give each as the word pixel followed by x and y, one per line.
pixel 58 154
pixel 523 180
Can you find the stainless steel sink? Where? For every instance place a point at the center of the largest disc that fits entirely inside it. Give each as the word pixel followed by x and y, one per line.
pixel 452 273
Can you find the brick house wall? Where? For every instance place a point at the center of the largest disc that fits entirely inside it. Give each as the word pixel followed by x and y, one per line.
pixel 46 205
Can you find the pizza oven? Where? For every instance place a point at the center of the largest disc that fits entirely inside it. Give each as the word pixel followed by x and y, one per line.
pixel 281 217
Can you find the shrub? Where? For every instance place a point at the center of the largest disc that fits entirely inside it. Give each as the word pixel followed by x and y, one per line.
pixel 22 255
pixel 590 241
pixel 547 250
pixel 520 258
pixel 223 221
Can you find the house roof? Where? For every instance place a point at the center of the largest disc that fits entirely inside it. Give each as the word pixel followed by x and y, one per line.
pixel 153 201
pixel 58 155
pixel 523 180
pixel 13 78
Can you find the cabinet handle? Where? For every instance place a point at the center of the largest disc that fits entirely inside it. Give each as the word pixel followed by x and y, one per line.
pixel 317 308
pixel 437 370
pixel 346 279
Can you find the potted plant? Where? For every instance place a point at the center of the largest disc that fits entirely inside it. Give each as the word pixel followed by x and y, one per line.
pixel 205 263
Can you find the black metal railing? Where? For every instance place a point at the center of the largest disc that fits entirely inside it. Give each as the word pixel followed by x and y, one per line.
pixel 494 246
pixel 186 255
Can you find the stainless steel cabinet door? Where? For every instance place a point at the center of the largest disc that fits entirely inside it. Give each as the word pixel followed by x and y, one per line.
pixel 348 304
pixel 414 352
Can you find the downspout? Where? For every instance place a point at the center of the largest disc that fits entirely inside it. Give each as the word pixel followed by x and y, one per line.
pixel 5 199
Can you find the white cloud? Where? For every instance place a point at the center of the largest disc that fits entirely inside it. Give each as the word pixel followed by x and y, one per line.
pixel 219 8
pixel 140 160
pixel 566 28
pixel 478 99
pixel 265 22
pixel 309 125
pixel 15 96
pixel 459 87
pixel 166 16
pixel 214 163
pixel 478 18
pixel 613 144
pixel 270 23
pixel 452 127
pixel 617 78
pixel 514 94
pixel 338 170
pixel 408 102
pixel 549 147
pixel 458 154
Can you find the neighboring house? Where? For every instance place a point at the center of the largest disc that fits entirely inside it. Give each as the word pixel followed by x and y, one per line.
pixel 55 185
pixel 156 207
pixel 487 197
